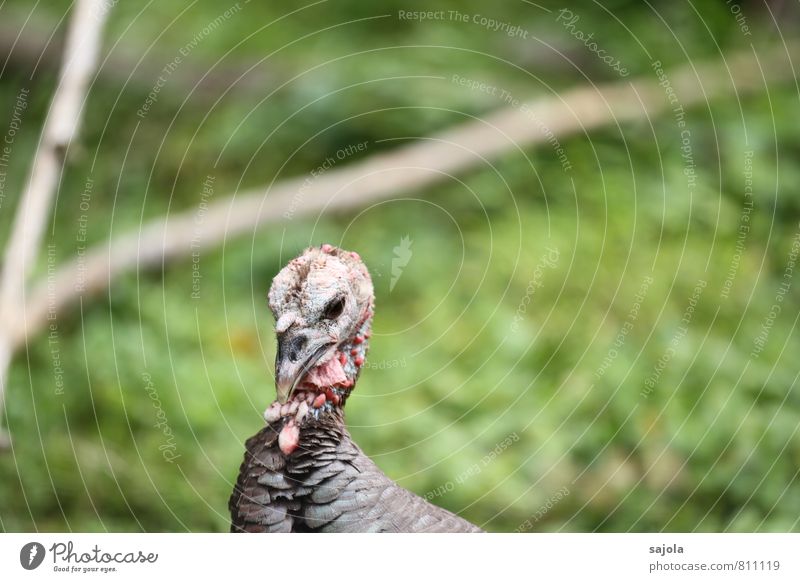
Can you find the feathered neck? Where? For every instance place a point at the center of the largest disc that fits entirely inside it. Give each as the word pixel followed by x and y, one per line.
pixel 322 394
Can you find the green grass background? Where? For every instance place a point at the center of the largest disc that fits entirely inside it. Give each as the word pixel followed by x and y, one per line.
pixel 714 447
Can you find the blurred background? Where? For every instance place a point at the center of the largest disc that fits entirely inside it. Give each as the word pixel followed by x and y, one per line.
pixel 577 335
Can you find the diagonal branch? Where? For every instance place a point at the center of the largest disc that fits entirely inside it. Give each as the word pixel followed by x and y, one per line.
pixel 406 168
pixel 60 127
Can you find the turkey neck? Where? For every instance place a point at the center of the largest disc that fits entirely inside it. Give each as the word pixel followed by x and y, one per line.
pixel 324 390
pixel 312 442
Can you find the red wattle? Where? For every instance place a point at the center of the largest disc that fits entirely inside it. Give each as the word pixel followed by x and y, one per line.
pixel 328 374
pixel 289 438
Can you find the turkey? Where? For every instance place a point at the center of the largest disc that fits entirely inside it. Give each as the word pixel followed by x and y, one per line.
pixel 302 472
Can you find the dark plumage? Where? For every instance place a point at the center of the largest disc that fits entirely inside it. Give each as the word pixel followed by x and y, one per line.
pixel 302 472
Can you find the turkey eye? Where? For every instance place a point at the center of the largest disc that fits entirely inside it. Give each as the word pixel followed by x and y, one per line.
pixel 335 308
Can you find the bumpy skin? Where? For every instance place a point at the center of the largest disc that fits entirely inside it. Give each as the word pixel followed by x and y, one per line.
pixel 302 472
pixel 327 485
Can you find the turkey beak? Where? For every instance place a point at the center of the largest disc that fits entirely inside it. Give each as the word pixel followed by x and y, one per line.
pixel 297 354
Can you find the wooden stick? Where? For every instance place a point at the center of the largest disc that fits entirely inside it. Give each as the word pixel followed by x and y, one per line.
pixel 60 128
pixel 407 168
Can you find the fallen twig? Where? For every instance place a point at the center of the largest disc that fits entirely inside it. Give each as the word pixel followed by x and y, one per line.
pixel 60 127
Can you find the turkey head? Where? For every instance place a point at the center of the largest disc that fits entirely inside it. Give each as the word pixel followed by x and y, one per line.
pixel 323 305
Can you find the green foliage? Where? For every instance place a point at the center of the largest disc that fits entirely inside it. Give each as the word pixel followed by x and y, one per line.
pixel 148 369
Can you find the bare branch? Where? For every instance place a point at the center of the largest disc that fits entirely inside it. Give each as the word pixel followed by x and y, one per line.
pixel 60 127
pixel 407 168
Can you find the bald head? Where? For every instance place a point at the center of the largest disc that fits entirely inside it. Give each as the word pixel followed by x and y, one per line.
pixel 315 283
pixel 320 301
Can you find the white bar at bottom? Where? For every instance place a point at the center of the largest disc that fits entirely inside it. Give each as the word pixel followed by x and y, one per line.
pixel 375 557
